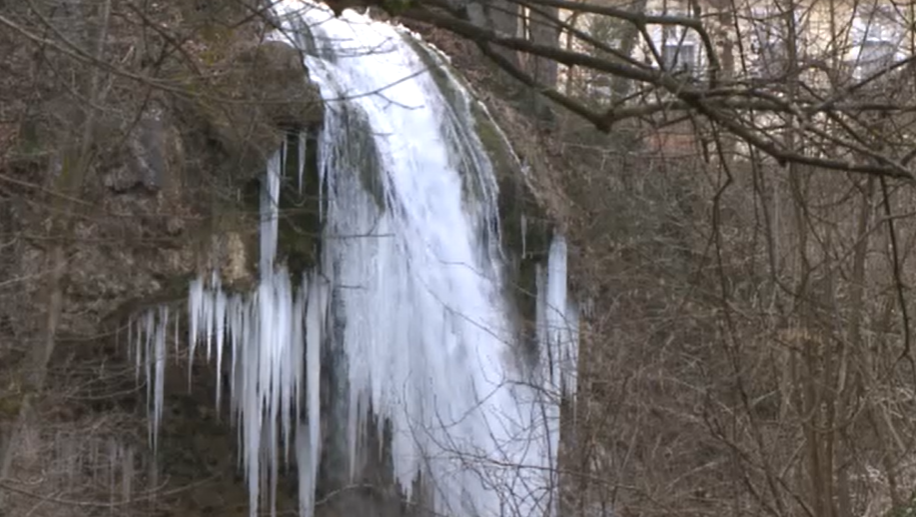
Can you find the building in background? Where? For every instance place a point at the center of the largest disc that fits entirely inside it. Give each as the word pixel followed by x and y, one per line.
pixel 782 45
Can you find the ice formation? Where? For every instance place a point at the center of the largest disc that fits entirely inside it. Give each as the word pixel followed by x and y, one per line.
pixel 409 291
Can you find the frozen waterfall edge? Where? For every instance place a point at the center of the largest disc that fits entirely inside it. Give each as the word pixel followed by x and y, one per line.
pixel 272 339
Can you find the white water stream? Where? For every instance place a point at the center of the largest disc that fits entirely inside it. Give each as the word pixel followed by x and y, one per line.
pixel 410 292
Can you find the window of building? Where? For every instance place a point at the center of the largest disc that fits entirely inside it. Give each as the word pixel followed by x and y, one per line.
pixel 680 58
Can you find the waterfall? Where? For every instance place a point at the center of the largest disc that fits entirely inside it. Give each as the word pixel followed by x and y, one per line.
pixel 410 294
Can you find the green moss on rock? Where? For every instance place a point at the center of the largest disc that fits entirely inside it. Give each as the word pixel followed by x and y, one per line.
pixel 525 246
pixel 515 196
pixel 501 156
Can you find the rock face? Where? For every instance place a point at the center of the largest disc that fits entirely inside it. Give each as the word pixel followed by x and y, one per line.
pixel 254 95
pixel 278 79
pixel 153 154
pixel 165 195
pixel 159 204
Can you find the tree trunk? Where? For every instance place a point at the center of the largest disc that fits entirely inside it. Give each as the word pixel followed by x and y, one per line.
pixel 77 157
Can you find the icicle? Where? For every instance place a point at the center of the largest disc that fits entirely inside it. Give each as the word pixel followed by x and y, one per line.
pixel 524 236
pixel 295 356
pixel 308 443
pixel 148 332
pixel 177 342
pixel 149 348
pixel 195 311
pixel 135 344
pixel 303 142
pixel 269 211
pixel 284 154
pixel 161 329
pixel 220 309
pixel 304 461
pixel 208 316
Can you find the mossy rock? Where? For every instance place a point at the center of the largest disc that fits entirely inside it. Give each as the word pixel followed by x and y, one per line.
pixel 527 229
pixel 274 75
pixel 525 246
pixel 516 199
pixel 515 195
pixel 248 101
pixel 501 156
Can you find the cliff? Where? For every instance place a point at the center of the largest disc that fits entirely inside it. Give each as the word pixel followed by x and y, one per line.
pixel 126 170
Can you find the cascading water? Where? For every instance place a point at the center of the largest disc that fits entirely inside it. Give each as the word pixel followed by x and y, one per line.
pixel 409 293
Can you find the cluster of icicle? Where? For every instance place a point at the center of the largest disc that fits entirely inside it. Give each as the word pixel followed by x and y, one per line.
pixel 271 335
pixel 416 285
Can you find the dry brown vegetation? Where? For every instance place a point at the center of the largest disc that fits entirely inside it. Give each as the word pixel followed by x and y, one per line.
pixel 750 348
pixel 747 351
